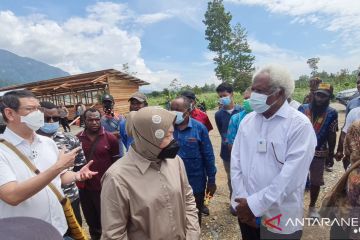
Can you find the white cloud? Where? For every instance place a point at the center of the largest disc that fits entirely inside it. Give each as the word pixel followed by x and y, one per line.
pixel 296 62
pixel 82 44
pixel 153 18
pixel 332 15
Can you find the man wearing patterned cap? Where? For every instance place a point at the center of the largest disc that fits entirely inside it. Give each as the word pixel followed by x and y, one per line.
pixel 137 101
pixel 313 84
pixel 146 195
pixel 325 122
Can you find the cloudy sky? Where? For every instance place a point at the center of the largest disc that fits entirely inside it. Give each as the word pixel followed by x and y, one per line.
pixel 164 39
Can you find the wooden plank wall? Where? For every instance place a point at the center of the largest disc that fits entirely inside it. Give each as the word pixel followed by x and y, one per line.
pixel 121 90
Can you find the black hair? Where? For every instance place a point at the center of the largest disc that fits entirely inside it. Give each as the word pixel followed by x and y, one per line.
pixel 91 110
pixel 224 87
pixel 11 100
pixel 48 105
pixel 187 101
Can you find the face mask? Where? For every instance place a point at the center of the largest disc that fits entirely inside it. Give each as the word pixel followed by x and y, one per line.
pixel 179 117
pixel 225 101
pixel 170 150
pixel 247 106
pixel 258 102
pixel 33 120
pixel 50 128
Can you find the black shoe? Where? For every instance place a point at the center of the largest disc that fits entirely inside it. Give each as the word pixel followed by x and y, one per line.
pixel 205 211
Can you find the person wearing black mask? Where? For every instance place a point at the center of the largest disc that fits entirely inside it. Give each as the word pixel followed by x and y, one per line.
pixel 196 151
pixel 147 195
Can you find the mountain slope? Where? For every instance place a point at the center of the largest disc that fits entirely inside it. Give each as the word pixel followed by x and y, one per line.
pixel 17 70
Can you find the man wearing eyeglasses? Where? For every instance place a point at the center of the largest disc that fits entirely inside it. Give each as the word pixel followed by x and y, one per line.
pixel 51 130
pixel 22 192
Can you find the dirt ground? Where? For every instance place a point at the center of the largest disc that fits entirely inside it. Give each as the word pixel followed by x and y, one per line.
pixel 221 225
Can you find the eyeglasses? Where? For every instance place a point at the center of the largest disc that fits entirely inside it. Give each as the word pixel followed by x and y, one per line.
pixel 32 109
pixel 55 119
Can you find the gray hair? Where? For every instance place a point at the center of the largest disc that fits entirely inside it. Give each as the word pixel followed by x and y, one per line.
pixel 279 78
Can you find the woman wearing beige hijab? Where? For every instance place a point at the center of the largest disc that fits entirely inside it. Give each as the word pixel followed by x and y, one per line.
pixel 146 194
pixel 343 202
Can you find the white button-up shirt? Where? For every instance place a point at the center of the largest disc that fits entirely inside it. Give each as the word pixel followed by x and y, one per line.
pixel 43 153
pixel 354 115
pixel 272 176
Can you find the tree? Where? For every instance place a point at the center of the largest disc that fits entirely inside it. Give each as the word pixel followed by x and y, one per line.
pixel 126 69
pixel 234 61
pixel 312 62
pixel 218 33
pixel 175 85
pixel 241 58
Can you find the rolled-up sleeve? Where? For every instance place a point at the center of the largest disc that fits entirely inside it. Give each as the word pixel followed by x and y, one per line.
pixel 299 154
pixel 114 209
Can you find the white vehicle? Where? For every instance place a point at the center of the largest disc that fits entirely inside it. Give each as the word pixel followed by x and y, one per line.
pixel 345 96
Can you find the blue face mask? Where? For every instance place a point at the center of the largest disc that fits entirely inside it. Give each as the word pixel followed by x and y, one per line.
pixel 179 117
pixel 225 101
pixel 50 128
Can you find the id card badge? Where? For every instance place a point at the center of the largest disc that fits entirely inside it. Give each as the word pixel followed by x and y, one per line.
pixel 262 145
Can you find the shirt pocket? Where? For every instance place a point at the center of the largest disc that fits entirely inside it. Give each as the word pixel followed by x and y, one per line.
pixel 278 152
pixel 192 154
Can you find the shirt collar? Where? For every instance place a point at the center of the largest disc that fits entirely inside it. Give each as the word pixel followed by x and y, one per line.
pixel 282 112
pixel 142 163
pixel 15 139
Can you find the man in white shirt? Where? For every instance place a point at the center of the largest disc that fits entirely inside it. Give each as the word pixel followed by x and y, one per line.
pixel 354 115
pixel 270 160
pixel 22 192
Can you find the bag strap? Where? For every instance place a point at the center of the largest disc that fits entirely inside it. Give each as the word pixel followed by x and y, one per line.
pixel 32 167
pixel 93 147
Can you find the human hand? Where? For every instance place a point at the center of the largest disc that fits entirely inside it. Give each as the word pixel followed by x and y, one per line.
pixel 85 173
pixel 211 189
pixel 66 159
pixel 338 156
pixel 243 211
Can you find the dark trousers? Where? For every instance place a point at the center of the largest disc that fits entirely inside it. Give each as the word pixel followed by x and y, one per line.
pixel 250 233
pixel 90 204
pixel 337 232
pixel 65 124
pixel 82 122
pixel 199 199
pixel 329 162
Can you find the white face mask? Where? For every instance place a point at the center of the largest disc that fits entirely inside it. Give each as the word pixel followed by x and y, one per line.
pixel 258 102
pixel 33 120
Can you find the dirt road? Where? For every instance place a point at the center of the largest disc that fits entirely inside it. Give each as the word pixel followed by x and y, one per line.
pixel 221 225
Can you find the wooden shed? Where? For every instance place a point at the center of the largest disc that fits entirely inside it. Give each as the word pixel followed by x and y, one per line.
pixel 86 88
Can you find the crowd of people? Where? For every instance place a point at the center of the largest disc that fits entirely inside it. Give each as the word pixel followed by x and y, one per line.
pixel 146 175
